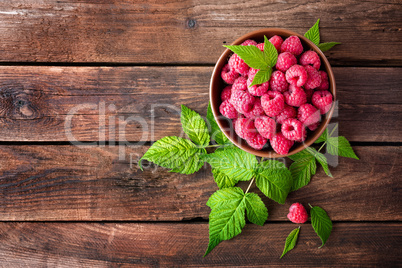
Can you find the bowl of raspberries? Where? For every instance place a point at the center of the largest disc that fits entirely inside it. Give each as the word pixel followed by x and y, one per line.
pixel 275 110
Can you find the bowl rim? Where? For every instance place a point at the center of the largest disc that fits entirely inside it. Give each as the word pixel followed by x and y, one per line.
pixel 216 75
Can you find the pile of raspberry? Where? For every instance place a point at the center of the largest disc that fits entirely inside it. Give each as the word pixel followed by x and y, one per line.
pixel 282 109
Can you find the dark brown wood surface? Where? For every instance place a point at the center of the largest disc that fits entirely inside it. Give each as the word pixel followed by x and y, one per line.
pixel 118 71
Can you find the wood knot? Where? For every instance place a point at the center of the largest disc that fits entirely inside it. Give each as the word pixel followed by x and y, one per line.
pixel 191 23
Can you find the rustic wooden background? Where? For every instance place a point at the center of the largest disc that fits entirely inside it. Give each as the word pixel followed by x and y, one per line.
pixel 63 205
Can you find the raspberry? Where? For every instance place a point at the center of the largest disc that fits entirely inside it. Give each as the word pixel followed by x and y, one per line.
pixel 295 96
pixel 293 45
pixel 287 112
pixel 227 110
pixel 314 78
pixel 249 42
pixel 240 84
pixel 228 75
pixel 273 103
pixel 258 90
pixel 277 41
pixel 309 94
pixel 285 61
pixel 280 144
pixel 310 58
pixel 251 74
pixel 293 130
pixel 244 128
pixel 324 81
pixel 266 126
pixel 226 92
pixel 278 82
pixel 260 46
pixel 297 213
pixel 242 100
pixel 257 142
pixel 308 114
pixel 322 100
pixel 237 64
pixel 296 75
pixel 256 111
pixel 313 126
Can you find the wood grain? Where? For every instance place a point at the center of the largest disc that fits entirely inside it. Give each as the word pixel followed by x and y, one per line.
pixel 182 245
pixel 143 103
pixel 67 183
pixel 187 31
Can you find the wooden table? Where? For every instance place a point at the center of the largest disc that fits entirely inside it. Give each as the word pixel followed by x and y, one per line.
pixel 102 70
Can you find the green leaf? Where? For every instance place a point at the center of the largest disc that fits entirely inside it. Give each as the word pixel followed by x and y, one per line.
pixel 340 146
pixel 321 159
pixel 261 76
pixel 274 180
pixel 323 137
pixel 226 220
pixel 302 169
pixel 194 126
pixel 233 162
pixel 270 52
pixel 216 133
pixel 222 180
pixel 313 34
pixel 291 241
pixel 321 223
pixel 251 55
pixel 327 46
pixel 178 154
pixel 224 196
pixel 257 212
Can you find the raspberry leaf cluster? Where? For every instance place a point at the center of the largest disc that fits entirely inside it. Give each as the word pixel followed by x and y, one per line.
pixel 313 34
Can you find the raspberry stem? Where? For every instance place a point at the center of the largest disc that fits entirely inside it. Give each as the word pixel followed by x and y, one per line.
pixel 248 188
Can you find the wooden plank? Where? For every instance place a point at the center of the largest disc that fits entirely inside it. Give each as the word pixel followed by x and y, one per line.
pixel 189 31
pixel 143 103
pixel 182 245
pixel 62 183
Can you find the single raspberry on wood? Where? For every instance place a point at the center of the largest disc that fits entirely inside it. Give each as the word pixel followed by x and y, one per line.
pixel 280 144
pixel 256 111
pixel 287 112
pixel 278 82
pixel 296 75
pixel 285 61
pixel 237 64
pixel 228 110
pixel 244 128
pixel 295 96
pixel 240 84
pixel 314 78
pixel 297 213
pixel 273 103
pixel 228 75
pixel 324 81
pixel 310 57
pixel 242 100
pixel 226 92
pixel 266 126
pixel 293 45
pixel 277 41
pixel 257 142
pixel 293 130
pixel 322 100
pixel 308 114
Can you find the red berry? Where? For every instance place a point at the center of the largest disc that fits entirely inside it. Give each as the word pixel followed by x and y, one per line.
pixel 278 82
pixel 310 58
pixel 258 90
pixel 287 112
pixel 295 96
pixel 227 110
pixel 322 100
pixel 309 94
pixel 313 126
pixel 257 142
pixel 249 42
pixel 237 64
pixel 324 81
pixel 266 126
pixel 256 111
pixel 277 41
pixel 240 84
pixel 314 78
pixel 293 45
pixel 242 100
pixel 297 213
pixel 226 92
pixel 273 103
pixel 260 46
pixel 244 128
pixel 280 144
pixel 293 130
pixel 228 75
pixel 285 61
pixel 296 75
pixel 308 114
